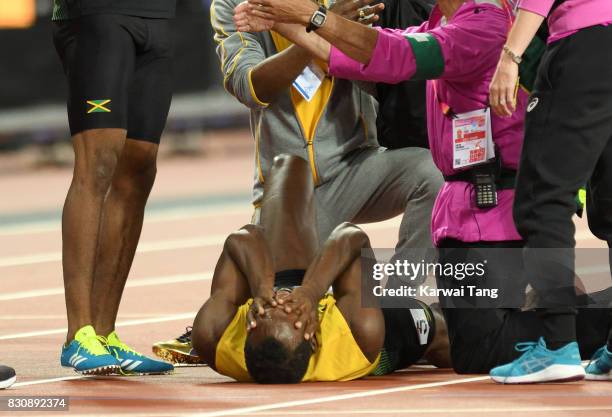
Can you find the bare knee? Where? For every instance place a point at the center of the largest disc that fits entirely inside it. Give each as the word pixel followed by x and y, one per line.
pixel 96 157
pixel 136 180
pixel 137 169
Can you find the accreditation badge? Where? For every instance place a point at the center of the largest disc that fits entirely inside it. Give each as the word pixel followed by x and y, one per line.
pixel 309 81
pixel 472 138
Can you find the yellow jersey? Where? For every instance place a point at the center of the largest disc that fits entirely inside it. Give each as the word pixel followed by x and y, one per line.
pixel 337 357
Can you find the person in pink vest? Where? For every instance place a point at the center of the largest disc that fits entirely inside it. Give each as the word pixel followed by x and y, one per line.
pixel 457 50
pixel 568 143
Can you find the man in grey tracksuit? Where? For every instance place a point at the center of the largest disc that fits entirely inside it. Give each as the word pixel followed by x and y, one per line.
pixel 356 179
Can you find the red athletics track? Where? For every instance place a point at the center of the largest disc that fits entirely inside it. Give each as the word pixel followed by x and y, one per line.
pixel 195 203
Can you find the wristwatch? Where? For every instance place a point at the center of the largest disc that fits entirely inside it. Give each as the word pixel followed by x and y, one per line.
pixel 318 19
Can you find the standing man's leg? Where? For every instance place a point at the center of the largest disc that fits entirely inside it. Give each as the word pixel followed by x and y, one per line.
pixel 98 58
pixel 567 129
pixel 150 94
pixel 599 211
pixel 103 59
pixel 120 228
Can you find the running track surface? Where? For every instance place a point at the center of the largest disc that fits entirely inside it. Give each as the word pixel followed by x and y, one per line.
pixel 196 202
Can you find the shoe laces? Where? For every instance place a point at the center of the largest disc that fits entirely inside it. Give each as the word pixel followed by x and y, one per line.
pixel 185 337
pixel 94 345
pixel 528 349
pixel 124 348
pixel 525 346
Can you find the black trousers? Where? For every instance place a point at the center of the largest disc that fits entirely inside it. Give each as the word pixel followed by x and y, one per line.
pixel 568 143
pixel 483 337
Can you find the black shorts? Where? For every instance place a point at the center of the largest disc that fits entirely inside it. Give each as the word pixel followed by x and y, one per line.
pixel 408 333
pixel 119 71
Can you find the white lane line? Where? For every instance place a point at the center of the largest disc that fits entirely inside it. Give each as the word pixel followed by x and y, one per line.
pixel 160 319
pixel 195 242
pixel 144 247
pixel 445 411
pixel 341 397
pixel 168 215
pixel 48 381
pixel 145 282
pixel 10 317
pixel 160 246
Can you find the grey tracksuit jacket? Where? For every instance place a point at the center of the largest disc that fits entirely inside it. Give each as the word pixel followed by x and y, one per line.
pixel 347 123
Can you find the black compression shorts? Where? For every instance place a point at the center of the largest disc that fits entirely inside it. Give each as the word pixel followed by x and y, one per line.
pixel 408 333
pixel 119 71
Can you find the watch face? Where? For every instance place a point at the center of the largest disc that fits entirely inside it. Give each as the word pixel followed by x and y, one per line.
pixel 318 19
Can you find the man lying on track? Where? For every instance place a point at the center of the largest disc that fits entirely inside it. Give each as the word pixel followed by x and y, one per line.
pixel 270 319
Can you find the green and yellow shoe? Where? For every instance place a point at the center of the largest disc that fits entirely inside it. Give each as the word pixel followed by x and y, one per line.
pixel 179 351
pixel 87 354
pixel 134 363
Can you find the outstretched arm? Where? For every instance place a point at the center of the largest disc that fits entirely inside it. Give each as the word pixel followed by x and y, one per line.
pixel 244 269
pixel 348 10
pixel 355 40
pixel 452 51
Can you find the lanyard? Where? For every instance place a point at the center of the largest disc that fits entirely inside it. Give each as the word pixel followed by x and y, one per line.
pixel 446 110
pixel 445 107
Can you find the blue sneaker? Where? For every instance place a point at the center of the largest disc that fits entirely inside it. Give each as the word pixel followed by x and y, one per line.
pixel 87 355
pixel 539 364
pixel 600 366
pixel 134 363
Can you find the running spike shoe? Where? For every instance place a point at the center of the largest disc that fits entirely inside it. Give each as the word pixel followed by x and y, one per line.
pixel 179 351
pixel 87 355
pixel 134 363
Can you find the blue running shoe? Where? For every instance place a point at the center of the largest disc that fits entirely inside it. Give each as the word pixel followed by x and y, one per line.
pixel 600 366
pixel 87 355
pixel 539 364
pixel 134 363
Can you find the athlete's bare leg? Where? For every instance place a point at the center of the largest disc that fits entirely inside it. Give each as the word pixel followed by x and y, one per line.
pixel 120 228
pixel 96 154
pixel 288 213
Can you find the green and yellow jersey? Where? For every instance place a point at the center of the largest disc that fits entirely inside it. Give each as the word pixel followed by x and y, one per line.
pixel 338 357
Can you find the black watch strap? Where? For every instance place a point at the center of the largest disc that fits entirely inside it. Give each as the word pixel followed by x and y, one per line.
pixel 312 25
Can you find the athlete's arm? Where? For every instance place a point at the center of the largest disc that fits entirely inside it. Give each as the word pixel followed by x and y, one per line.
pixel 338 253
pixel 248 248
pixel 351 290
pixel 244 269
pixel 339 264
